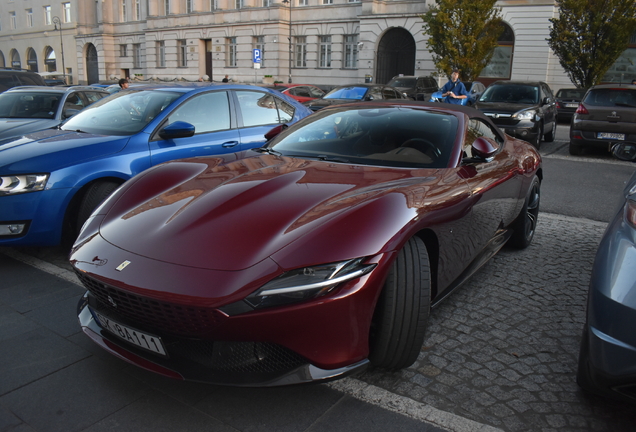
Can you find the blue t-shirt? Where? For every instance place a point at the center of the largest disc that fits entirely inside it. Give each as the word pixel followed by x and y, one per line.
pixel 456 87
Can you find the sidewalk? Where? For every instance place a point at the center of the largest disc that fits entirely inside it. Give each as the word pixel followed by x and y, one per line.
pixel 55 379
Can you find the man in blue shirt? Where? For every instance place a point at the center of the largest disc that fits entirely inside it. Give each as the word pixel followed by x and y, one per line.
pixel 454 90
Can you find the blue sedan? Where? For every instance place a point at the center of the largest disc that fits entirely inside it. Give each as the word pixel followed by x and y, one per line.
pixel 474 89
pixel 607 359
pixel 51 181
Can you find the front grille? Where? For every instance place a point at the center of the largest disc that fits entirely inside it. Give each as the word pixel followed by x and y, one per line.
pixel 151 314
pixel 239 357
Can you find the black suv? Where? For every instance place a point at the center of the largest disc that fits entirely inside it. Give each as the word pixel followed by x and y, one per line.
pixel 10 78
pixel 522 109
pixel 415 87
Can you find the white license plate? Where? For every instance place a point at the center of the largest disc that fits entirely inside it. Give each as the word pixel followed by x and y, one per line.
pixel 610 135
pixel 135 337
pixel 571 105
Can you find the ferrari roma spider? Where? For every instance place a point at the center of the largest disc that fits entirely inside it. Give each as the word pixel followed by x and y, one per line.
pixel 311 257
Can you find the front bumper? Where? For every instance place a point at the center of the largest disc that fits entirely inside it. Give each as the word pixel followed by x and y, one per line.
pixel 226 363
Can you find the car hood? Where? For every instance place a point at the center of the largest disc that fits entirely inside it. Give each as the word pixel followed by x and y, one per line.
pixel 502 107
pixel 14 127
pixel 53 149
pixel 205 214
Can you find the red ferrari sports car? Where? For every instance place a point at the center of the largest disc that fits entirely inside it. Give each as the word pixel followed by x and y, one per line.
pixel 311 257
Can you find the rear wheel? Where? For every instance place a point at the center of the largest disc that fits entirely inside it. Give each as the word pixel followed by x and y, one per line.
pixel 399 321
pixel 524 226
pixel 94 196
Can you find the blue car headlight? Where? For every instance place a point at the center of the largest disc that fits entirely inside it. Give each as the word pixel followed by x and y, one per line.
pixel 307 283
pixel 525 114
pixel 16 184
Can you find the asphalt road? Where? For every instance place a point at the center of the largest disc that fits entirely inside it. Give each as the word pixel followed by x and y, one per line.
pixel 500 353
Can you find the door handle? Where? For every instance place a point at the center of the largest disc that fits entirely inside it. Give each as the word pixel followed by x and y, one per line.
pixel 230 144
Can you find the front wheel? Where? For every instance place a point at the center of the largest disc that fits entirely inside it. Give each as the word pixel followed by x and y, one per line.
pixel 550 136
pixel 537 141
pixel 525 224
pixel 575 149
pixel 94 196
pixel 399 321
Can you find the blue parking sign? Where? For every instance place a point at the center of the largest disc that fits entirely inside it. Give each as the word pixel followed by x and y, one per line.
pixel 256 55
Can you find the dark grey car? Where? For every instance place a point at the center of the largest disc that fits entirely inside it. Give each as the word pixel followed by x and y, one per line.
pixel 605 116
pixel 567 102
pixel 522 109
pixel 24 110
pixel 415 87
pixel 354 93
pixel 607 359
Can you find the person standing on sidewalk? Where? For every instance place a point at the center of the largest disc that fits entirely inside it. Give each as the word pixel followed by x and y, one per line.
pixel 454 90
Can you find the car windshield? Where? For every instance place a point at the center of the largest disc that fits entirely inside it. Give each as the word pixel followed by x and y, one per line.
pixel 124 113
pixel 396 137
pixel 575 94
pixel 41 105
pixel 611 97
pixel 402 82
pixel 511 93
pixel 353 93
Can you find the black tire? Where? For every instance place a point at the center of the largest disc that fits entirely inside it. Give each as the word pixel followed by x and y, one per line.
pixel 550 136
pixel 576 149
pixel 537 141
pixel 401 315
pixel 94 196
pixel 525 225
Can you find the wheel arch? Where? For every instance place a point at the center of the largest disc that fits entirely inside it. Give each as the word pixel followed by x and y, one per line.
pixel 72 210
pixel 431 242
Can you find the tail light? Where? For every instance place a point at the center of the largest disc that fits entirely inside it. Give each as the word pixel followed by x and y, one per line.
pixel 581 109
pixel 630 212
pixel 558 105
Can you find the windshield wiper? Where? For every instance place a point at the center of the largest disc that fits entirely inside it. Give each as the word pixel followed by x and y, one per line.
pixel 332 159
pixel 267 150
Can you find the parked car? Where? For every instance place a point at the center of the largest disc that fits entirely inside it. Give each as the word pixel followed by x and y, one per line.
pixel 523 109
pixel 54 78
pixel 51 180
pixel 605 116
pixel 30 109
pixel 607 360
pixel 474 89
pixel 355 93
pixel 311 257
pixel 567 101
pixel 10 78
pixel 415 87
pixel 300 92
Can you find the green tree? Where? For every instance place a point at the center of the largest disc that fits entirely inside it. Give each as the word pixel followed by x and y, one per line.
pixel 462 35
pixel 590 35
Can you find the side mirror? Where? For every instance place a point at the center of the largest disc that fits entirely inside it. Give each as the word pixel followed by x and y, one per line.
pixel 546 101
pixel 178 129
pixel 625 151
pixel 483 148
pixel 69 112
pixel 369 98
pixel 275 131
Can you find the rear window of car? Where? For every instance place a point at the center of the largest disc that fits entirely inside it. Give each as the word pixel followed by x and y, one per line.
pixel 402 82
pixel 571 93
pixel 611 97
pixel 354 93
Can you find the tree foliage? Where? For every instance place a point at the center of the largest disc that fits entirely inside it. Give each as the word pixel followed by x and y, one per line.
pixel 590 35
pixel 462 35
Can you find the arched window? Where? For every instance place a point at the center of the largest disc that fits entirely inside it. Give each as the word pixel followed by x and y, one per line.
pixel 50 60
pixel 624 68
pixel 32 60
pixel 15 59
pixel 500 65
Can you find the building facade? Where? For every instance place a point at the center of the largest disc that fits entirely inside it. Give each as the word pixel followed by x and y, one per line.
pixel 323 42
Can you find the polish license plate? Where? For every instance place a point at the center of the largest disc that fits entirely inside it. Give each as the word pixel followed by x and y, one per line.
pixel 130 335
pixel 571 105
pixel 610 135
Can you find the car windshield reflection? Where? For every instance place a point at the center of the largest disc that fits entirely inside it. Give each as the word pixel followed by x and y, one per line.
pixel 124 113
pixel 511 93
pixel 375 136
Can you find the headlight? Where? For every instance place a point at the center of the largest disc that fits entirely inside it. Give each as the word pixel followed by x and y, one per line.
pixel 524 115
pixel 11 185
pixel 307 283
